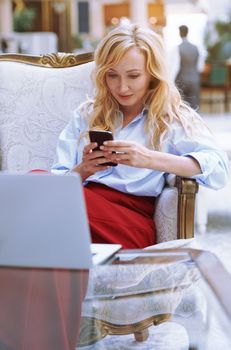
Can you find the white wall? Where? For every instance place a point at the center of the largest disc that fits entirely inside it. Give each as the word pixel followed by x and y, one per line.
pixel 218 8
pixel 6 22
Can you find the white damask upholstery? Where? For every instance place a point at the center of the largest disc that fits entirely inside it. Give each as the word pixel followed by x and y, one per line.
pixel 35 105
pixel 165 216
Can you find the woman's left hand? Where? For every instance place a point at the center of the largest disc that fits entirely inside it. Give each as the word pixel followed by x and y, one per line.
pixel 136 155
pixel 128 153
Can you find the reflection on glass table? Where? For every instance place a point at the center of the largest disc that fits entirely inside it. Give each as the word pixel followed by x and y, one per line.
pixel 155 300
pixel 216 285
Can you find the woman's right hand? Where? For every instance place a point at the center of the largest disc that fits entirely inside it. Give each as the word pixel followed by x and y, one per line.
pixel 91 162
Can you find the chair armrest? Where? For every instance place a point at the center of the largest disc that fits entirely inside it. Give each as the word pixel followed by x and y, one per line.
pixel 175 206
pixel 187 189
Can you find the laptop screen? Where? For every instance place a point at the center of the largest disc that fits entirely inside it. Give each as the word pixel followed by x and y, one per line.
pixel 43 222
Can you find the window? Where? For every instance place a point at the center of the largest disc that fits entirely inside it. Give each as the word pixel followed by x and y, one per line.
pixel 83 16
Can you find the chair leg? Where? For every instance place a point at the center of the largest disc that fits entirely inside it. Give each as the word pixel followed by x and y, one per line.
pixel 141 335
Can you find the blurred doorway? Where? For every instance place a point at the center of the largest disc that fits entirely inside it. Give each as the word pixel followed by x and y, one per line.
pixel 51 16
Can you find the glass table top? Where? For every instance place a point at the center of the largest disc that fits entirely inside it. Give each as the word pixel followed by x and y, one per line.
pixel 173 298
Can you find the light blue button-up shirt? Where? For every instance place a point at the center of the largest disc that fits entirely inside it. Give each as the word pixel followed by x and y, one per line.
pixel 140 181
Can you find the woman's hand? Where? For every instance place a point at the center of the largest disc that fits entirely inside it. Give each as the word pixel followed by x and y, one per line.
pixel 128 153
pixel 91 162
pixel 134 154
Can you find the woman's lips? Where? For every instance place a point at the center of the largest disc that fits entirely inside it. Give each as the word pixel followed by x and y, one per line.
pixel 125 96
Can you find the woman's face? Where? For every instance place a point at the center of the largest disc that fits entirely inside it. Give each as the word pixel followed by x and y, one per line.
pixel 128 81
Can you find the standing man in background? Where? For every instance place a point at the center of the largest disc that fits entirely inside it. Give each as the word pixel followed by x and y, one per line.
pixel 188 76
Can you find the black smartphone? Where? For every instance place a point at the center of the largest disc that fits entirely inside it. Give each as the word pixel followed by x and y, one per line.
pixel 99 137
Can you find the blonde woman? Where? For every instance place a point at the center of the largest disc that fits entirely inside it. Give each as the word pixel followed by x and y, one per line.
pixel 155 133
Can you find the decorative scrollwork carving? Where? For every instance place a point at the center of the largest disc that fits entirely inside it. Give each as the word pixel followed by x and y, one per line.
pixel 60 59
pixel 51 60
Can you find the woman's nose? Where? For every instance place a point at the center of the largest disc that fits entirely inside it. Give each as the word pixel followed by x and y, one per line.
pixel 123 86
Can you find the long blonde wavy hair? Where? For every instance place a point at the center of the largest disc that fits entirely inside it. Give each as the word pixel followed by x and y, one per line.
pixel 163 99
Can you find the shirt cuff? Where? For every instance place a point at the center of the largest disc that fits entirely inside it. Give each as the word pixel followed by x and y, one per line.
pixel 210 171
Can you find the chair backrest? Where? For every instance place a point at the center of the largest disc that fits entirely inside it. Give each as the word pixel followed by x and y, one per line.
pixel 37 97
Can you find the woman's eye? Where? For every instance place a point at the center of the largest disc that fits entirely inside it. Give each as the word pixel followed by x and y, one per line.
pixel 134 76
pixel 110 75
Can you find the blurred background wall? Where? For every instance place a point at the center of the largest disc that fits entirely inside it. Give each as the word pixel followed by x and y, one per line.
pixel 41 26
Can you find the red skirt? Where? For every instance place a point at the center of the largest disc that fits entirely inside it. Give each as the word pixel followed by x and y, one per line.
pixel 117 217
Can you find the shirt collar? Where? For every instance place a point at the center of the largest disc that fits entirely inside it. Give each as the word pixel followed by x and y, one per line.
pixel 142 114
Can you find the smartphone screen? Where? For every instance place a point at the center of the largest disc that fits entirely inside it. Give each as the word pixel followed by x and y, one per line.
pixel 99 137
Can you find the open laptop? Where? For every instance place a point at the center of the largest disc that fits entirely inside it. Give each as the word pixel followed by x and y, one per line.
pixel 43 223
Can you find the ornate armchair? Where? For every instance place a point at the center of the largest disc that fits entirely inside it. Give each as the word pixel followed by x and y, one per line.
pixel 37 95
